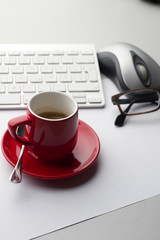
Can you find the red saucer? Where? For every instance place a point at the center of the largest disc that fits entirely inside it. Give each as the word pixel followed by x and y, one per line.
pixel 83 155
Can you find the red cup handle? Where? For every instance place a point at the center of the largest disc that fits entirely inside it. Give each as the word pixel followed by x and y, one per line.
pixel 14 123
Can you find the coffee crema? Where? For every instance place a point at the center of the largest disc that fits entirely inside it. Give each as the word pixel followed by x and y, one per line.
pixel 52 115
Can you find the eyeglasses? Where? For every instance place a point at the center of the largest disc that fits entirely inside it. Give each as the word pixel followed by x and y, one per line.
pixel 136 102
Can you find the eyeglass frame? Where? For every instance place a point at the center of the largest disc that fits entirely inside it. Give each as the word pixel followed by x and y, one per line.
pixel 115 100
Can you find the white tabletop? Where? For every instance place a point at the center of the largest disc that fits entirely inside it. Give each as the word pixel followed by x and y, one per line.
pixel 101 22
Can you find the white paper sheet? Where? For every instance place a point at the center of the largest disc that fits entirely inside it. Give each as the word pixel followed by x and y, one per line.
pixel 126 171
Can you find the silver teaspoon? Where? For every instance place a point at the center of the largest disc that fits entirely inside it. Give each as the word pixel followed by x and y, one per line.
pixel 16 175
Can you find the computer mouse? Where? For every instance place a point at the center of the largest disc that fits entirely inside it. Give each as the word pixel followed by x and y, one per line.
pixel 129 67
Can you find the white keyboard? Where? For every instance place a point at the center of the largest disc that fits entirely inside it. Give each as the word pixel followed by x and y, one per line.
pixel 28 69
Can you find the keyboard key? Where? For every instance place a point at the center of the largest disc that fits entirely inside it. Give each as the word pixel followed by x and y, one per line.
pixel 94 100
pixel 84 59
pixel 28 53
pixel 31 69
pixel 6 79
pixel 80 100
pixel 43 53
pixel 38 60
pixel 58 52
pixel 24 60
pixel 14 88
pixel 65 78
pixel 10 61
pixel 21 78
pixel 79 95
pixel 92 87
pixel 59 87
pixel 35 78
pixel 53 60
pixel 67 59
pixel 87 52
pixel 43 87
pixel 17 69
pixel 50 78
pixel 75 69
pixel 80 78
pixel 4 69
pixel 89 67
pixel 46 69
pixel 10 99
pixel 92 76
pixel 14 53
pixel 61 69
pixel 72 52
pixel 29 88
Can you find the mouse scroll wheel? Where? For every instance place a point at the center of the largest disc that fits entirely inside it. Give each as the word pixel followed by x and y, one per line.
pixel 142 72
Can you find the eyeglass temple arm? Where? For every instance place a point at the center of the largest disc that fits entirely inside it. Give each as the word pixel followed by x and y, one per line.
pixel 121 118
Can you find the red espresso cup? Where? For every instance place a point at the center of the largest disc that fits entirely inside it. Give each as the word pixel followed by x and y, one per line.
pixel 51 125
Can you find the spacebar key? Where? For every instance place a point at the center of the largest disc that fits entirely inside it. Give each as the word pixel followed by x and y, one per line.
pixel 10 99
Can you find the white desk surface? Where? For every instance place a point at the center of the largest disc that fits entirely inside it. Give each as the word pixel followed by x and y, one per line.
pixel 101 22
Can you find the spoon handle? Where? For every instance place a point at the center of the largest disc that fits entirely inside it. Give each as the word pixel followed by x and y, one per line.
pixel 16 175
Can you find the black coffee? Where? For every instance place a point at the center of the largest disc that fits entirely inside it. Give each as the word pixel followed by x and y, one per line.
pixel 52 115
